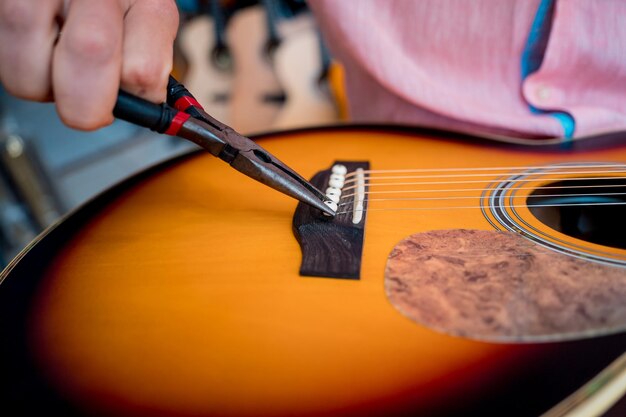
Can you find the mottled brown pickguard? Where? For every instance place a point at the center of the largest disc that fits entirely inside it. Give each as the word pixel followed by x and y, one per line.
pixel 498 286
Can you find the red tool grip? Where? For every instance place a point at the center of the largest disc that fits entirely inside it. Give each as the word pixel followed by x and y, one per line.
pixel 185 102
pixel 177 122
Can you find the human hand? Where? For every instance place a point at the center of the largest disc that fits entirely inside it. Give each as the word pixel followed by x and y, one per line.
pixel 80 52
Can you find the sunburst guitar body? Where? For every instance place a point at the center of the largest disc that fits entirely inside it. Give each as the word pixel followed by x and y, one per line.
pixel 178 292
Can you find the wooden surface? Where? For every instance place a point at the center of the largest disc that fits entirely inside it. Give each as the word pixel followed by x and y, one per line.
pixel 179 294
pixel 331 247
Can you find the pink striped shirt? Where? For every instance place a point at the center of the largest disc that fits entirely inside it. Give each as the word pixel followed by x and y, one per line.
pixel 456 64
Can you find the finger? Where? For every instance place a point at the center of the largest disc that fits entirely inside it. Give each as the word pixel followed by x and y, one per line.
pixel 28 30
pixel 149 30
pixel 86 64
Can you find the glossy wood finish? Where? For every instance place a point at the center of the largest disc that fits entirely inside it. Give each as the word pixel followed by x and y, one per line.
pixel 179 294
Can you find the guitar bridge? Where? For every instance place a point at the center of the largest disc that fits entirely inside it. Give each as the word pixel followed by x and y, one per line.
pixel 332 247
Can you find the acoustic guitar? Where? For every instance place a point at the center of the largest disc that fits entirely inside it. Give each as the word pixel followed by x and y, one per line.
pixel 203 43
pixel 256 93
pixel 300 67
pixel 301 63
pixel 470 278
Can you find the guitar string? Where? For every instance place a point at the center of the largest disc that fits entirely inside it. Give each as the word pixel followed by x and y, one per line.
pixel 484 172
pixel 475 197
pixel 490 180
pixel 350 196
pixel 508 169
pixel 481 207
pixel 490 174
pixel 454 190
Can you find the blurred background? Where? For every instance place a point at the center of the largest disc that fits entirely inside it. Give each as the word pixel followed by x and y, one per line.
pixel 255 65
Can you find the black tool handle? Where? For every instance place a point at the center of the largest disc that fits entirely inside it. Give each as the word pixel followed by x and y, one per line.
pixel 157 117
pixel 176 91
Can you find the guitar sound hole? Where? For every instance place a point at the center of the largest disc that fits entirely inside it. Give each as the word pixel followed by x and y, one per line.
pixel 591 210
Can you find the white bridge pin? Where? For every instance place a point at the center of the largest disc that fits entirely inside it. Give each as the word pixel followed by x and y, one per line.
pixel 333 197
pixel 333 191
pixel 336 180
pixel 339 169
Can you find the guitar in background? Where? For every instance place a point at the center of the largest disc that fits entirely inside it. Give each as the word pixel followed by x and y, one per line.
pixel 203 42
pixel 276 65
pixel 304 76
pixel 256 92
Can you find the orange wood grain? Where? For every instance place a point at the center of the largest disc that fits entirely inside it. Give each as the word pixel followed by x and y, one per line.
pixel 182 297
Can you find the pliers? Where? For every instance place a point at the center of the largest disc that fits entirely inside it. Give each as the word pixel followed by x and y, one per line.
pixel 184 117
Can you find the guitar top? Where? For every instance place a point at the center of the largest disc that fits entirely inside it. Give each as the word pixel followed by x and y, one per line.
pixel 179 293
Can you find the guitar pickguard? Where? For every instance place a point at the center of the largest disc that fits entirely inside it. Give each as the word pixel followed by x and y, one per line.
pixel 499 287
